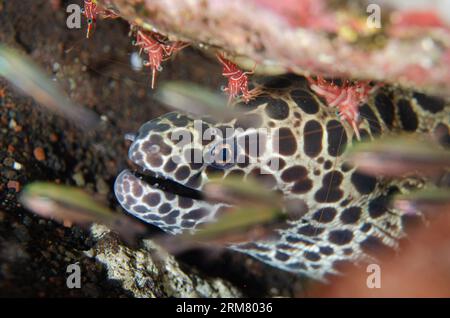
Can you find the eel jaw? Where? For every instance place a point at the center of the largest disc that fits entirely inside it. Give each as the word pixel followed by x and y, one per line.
pixel 164 203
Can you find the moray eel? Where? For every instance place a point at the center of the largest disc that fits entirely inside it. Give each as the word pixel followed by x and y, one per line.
pixel 344 214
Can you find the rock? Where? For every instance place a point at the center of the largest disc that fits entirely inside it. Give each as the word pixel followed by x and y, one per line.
pixel 149 271
pixel 79 179
pixel 39 153
pixel 102 186
pixel 14 185
pixel 329 38
pixel 8 161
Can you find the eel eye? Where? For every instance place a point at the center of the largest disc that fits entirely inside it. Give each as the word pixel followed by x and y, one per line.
pixel 223 155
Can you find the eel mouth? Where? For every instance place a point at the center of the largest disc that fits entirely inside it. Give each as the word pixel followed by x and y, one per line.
pixel 167 185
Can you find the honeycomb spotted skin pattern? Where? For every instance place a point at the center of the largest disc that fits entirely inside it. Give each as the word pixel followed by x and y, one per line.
pixel 345 215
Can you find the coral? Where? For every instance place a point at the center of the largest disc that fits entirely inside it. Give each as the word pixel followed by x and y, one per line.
pixel 283 36
pixel 151 272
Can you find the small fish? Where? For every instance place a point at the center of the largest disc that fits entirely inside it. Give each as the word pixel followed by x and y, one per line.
pixel 198 101
pixel 31 80
pixel 434 200
pixel 234 191
pixel 252 214
pixel 70 205
pixel 399 156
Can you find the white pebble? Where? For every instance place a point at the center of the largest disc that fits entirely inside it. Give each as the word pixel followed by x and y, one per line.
pixel 56 67
pixel 12 124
